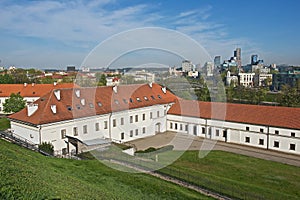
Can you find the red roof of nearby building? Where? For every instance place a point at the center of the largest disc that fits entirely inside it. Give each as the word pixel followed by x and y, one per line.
pixel 70 106
pixel 31 90
pixel 286 117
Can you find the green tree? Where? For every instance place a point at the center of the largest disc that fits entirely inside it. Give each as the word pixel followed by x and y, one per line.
pixel 14 103
pixel 47 147
pixel 6 79
pixel 101 79
pixel 289 96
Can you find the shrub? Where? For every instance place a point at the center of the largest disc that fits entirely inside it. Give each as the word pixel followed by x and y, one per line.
pixel 47 147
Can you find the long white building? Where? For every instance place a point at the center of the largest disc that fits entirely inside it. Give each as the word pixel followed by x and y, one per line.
pixel 77 119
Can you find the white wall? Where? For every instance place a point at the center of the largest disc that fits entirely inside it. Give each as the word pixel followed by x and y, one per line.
pixel 27 132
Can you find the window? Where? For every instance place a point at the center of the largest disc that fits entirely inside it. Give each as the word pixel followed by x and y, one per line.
pixel 64 151
pixel 181 127
pixel 130 100
pixel 171 125
pixel 276 144
pixel 293 147
pixel 125 101
pixel 122 136
pixel 69 107
pixel 195 130
pixel 138 99
pixel 159 96
pixel 91 105
pixel 136 118
pixel 209 131
pixel 247 128
pixel 152 97
pixel 217 132
pixel 144 130
pixel 247 139
pixel 122 121
pixel 116 101
pixel 85 129
pixel 186 127
pixel 97 127
pixel 131 119
pixel 105 125
pixel 131 133
pixel 136 131
pixel 75 131
pixel 276 132
pixel 146 98
pixel 225 133
pixel 63 133
pixel 114 122
pixel 261 142
pixel 99 104
pixel 150 115
pixel 203 130
pixel 261 130
pixel 158 113
pixel 144 116
pixel 293 134
pixel 175 126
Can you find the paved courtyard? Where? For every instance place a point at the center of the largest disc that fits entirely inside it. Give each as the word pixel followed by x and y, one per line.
pixel 184 142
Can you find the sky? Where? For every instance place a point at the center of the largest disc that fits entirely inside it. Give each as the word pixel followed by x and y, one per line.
pixel 54 34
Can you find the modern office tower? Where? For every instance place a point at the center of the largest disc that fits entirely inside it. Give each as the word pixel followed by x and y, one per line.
pixel 217 61
pixel 254 59
pixel 238 55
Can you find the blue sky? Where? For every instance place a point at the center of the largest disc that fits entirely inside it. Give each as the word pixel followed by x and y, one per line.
pixel 48 34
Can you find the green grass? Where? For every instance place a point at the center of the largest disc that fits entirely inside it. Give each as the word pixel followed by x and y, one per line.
pixel 28 175
pixel 4 123
pixel 238 176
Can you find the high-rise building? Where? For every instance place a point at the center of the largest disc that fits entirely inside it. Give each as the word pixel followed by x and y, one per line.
pixel 254 59
pixel 217 61
pixel 238 55
pixel 186 66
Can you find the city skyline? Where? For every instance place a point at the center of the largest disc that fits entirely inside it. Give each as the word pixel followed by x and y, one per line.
pixel 43 34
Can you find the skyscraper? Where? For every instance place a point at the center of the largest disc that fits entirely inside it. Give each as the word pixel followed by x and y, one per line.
pixel 217 61
pixel 254 59
pixel 238 54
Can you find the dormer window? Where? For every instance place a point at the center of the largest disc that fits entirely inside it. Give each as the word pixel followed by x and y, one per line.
pixel 78 106
pixel 91 105
pixel 159 96
pixel 116 101
pixel 152 97
pixel 99 104
pixel 138 99
pixel 146 98
pixel 130 100
pixel 125 101
pixel 69 108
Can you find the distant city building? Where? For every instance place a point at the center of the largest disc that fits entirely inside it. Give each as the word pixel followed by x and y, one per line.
pixel 217 61
pixel 254 59
pixel 231 79
pixel 246 79
pixel 112 81
pixel 286 76
pixel 262 79
pixel 71 68
pixel 238 55
pixel 209 69
pixel 187 66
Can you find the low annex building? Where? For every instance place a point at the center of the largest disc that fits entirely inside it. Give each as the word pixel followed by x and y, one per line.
pixel 78 119
pixel 30 92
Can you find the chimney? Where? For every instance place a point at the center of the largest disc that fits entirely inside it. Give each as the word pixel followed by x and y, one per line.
pixel 54 83
pixel 53 108
pixel 32 84
pixel 31 108
pixel 164 89
pixel 77 92
pixel 150 85
pixel 115 89
pixel 57 94
pixel 82 101
pixel 25 84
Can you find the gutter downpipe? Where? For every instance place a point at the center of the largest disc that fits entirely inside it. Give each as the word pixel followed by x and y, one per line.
pixel 268 134
pixel 109 126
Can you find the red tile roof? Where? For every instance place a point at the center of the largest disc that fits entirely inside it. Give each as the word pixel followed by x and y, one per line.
pixel 70 106
pixel 285 117
pixel 31 90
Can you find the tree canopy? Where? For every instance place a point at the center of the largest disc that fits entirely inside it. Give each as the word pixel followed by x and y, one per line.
pixel 14 103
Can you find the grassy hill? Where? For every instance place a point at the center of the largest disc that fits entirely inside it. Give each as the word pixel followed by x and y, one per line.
pixel 28 175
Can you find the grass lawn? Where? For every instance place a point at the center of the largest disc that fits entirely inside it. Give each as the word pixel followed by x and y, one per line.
pixel 238 176
pixel 4 123
pixel 28 175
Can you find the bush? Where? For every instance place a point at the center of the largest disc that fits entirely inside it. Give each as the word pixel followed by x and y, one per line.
pixel 47 147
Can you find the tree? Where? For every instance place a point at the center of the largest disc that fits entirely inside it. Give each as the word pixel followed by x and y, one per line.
pixel 289 96
pixel 14 103
pixel 47 147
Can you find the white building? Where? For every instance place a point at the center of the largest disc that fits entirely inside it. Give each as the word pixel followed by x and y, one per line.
pixel 77 119
pixel 30 92
pixel 231 79
pixel 246 79
pixel 259 79
pixel 187 66
pixel 72 119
